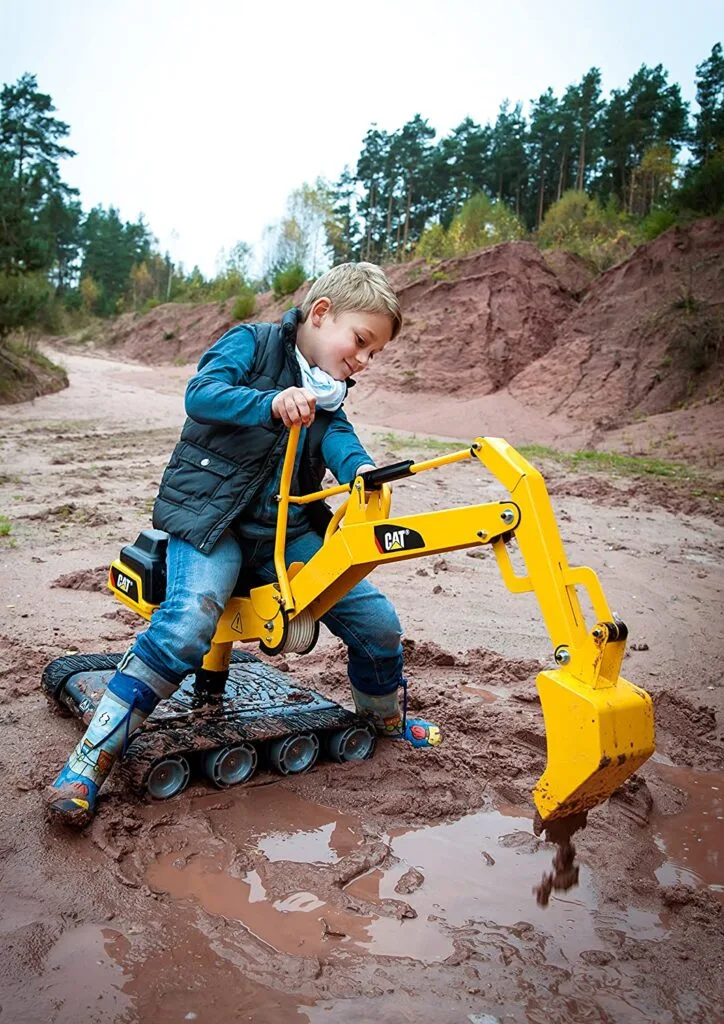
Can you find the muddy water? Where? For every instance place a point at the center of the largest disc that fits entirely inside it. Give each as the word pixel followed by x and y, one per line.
pixel 83 974
pixel 565 873
pixel 432 884
pixel 693 842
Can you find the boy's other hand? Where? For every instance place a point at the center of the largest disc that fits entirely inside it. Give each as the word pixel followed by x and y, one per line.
pixel 294 405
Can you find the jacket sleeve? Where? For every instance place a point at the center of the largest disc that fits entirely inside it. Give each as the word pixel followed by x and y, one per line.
pixel 217 393
pixel 342 450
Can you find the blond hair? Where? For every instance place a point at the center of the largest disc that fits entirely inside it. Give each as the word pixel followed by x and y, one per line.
pixel 361 287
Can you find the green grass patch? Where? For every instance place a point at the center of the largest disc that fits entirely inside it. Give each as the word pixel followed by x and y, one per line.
pixel 610 462
pixel 607 462
pixel 5 526
pixel 411 442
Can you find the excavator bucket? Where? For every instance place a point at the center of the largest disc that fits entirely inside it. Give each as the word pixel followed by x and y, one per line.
pixel 596 738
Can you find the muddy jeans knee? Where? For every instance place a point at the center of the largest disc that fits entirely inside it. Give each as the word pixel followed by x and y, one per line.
pixel 181 630
pixel 368 624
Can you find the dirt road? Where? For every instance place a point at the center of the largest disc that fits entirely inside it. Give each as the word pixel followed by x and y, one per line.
pixel 396 890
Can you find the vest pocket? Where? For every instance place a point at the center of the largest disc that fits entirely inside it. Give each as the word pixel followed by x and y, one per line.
pixel 195 473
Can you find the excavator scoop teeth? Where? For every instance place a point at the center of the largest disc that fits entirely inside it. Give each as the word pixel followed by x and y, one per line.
pixel 596 739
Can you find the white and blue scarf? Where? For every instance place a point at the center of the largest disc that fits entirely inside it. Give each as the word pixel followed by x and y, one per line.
pixel 328 391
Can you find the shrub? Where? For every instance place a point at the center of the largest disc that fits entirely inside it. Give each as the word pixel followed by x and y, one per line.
pixel 481 222
pixel 577 223
pixel 287 279
pixel 656 222
pixel 24 298
pixel 433 244
pixel 244 305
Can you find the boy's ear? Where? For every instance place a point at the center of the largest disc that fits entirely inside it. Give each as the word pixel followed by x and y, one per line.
pixel 319 309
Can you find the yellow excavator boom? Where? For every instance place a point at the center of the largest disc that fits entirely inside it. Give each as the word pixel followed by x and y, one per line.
pixel 599 727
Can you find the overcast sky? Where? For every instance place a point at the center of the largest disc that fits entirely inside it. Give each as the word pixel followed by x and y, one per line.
pixel 203 116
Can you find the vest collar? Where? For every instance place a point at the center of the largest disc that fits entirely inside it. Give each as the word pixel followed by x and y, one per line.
pixel 289 324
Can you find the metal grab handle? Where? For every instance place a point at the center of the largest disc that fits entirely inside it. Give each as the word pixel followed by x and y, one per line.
pixel 372 480
pixel 280 537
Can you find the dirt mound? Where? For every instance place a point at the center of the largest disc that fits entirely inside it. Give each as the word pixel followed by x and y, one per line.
pixel 83 579
pixel 473 323
pixel 643 338
pixel 174 332
pixel 602 362
pixel 178 332
pixel 470 324
pixel 25 374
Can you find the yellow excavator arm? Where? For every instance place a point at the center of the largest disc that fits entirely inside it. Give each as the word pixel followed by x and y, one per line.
pixel 599 726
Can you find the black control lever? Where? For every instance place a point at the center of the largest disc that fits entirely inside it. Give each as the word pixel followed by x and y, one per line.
pixel 374 478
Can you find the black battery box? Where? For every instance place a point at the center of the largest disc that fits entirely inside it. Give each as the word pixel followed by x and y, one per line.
pixel 147 558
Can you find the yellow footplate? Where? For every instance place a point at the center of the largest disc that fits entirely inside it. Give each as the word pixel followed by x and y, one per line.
pixel 596 738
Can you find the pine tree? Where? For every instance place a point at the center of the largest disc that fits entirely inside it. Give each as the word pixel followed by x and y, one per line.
pixel 708 136
pixel 341 226
pixel 30 149
pixel 110 250
pixel 543 143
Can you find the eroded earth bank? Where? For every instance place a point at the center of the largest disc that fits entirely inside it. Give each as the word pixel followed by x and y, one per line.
pixel 399 889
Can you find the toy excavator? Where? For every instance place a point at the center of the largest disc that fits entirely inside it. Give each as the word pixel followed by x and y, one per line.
pixel 239 711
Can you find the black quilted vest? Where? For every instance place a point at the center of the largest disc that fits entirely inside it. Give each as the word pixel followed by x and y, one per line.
pixel 215 472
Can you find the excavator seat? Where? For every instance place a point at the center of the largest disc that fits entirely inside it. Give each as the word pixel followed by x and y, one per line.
pixel 146 557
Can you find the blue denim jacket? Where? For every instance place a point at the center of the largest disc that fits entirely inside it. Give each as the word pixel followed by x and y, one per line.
pixel 213 395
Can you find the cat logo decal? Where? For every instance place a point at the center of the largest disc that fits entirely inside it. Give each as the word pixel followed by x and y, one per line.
pixel 397 538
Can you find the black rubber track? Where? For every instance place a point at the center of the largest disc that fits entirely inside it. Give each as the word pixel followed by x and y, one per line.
pixel 139 759
pixel 57 672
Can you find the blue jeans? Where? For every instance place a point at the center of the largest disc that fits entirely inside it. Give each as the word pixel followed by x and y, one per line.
pixel 198 588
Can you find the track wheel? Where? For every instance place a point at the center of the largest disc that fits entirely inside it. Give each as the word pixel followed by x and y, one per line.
pixel 355 743
pixel 168 777
pixel 230 766
pixel 294 754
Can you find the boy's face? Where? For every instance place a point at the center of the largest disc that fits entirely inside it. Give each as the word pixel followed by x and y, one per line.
pixel 344 345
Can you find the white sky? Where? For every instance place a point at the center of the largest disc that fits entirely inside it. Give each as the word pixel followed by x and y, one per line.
pixel 204 114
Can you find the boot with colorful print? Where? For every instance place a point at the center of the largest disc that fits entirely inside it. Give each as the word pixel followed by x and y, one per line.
pixel 392 721
pixel 125 704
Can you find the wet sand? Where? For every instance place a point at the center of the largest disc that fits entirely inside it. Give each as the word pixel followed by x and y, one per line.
pixel 399 889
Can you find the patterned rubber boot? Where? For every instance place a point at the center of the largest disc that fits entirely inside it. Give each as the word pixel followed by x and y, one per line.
pixel 391 721
pixel 126 703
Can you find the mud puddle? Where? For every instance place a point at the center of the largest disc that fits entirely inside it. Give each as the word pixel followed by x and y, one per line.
pixel 416 892
pixel 692 841
pixel 83 974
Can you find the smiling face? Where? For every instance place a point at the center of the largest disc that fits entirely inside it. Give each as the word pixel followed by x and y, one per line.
pixel 345 344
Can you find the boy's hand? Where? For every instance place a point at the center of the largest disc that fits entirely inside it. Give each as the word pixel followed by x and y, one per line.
pixel 294 405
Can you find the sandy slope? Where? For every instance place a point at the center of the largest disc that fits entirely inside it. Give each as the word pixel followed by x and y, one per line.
pixel 630 361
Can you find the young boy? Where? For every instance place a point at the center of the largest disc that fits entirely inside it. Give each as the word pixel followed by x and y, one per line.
pixel 217 503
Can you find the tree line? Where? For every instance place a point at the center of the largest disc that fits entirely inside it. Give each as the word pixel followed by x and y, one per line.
pixel 622 151
pixel 578 170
